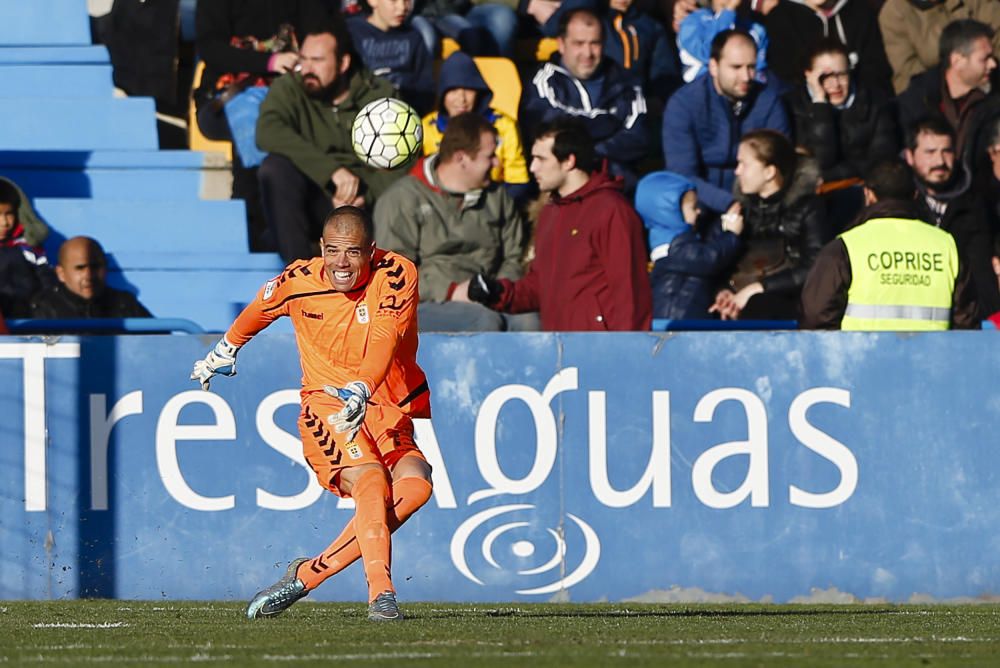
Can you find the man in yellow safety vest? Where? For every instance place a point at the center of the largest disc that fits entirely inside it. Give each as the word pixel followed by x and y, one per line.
pixel 891 270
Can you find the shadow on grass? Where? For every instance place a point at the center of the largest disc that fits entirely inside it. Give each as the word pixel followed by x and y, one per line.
pixel 851 610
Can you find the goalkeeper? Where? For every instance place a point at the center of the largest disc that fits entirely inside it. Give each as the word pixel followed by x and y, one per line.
pixel 354 312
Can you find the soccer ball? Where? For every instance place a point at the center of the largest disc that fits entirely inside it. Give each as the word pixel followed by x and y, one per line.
pixel 387 133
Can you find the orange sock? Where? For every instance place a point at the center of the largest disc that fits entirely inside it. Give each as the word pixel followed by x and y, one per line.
pixel 372 498
pixel 408 494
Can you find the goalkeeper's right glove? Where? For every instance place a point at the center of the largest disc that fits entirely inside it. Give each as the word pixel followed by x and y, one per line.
pixel 221 360
pixel 484 289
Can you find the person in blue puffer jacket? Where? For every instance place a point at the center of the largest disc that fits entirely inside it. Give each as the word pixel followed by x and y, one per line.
pixel 687 264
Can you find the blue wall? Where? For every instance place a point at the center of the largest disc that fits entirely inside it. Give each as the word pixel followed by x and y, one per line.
pixel 757 464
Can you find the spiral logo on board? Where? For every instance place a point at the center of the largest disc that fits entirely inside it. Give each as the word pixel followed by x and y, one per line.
pixel 549 555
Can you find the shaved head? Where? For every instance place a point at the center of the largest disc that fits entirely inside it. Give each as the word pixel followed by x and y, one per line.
pixel 82 267
pixel 347 218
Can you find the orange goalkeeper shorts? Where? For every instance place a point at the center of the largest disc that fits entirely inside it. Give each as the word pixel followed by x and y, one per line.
pixel 385 438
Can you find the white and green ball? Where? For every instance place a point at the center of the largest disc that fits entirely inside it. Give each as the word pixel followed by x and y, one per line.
pixel 387 133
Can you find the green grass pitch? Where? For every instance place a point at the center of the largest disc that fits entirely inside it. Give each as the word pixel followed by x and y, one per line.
pixel 145 633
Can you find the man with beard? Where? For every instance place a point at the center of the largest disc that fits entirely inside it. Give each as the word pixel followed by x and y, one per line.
pixel 958 88
pixel 706 118
pixel 305 126
pixel 943 186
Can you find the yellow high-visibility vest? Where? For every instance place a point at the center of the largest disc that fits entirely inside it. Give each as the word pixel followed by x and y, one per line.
pixel 902 276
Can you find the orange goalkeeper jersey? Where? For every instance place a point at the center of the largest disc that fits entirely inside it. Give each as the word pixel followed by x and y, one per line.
pixel 367 334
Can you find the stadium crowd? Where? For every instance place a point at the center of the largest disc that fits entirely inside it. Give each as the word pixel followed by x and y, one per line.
pixel 679 159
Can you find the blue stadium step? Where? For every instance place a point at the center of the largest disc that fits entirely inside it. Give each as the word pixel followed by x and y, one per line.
pixel 49 55
pixel 78 124
pixel 45 22
pixel 107 159
pixel 57 80
pixel 145 225
pixel 150 184
pixel 110 174
pixel 209 288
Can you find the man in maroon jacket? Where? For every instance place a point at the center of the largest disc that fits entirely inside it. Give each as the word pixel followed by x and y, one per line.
pixel 589 271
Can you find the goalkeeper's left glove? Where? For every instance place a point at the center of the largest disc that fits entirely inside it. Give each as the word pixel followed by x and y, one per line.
pixel 485 290
pixel 221 360
pixel 355 397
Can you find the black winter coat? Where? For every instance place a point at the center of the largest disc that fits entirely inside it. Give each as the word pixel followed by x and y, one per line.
pixel 57 303
pixel 796 216
pixel 923 98
pixel 845 142
pixel 966 219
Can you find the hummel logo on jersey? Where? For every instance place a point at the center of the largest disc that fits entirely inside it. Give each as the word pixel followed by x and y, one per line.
pixel 314 316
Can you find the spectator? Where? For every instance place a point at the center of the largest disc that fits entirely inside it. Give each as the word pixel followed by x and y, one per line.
pixel 23 266
pixel 391 48
pixel 987 174
pixel 890 271
pixel 853 23
pixel 791 32
pixel 959 88
pixel 785 228
pixel 911 30
pixel 845 125
pixel 452 221
pixel 12 232
pixel 35 230
pixel 639 43
pixel 482 29
pixel 589 269
pixel 305 125
pixel 687 264
pixel 245 45
pixel 705 116
pixel 701 26
pixel 944 185
pixel 580 81
pixel 81 291
pixel 461 88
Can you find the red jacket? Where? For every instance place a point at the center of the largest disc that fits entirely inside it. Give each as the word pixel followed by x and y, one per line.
pixel 589 271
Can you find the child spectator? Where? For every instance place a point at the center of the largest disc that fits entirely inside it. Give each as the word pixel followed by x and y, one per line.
pixel 23 267
pixel 391 48
pixel 461 88
pixel 639 43
pixel 701 26
pixel 686 263
pixel 12 233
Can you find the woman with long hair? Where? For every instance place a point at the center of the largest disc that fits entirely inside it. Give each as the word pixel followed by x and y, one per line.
pixel 784 229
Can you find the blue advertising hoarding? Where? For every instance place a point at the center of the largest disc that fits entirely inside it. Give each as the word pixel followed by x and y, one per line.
pixel 754 465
